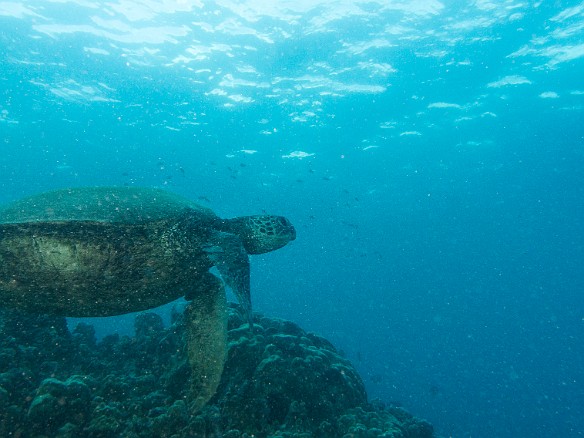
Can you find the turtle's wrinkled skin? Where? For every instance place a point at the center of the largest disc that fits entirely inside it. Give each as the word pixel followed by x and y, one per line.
pixel 106 251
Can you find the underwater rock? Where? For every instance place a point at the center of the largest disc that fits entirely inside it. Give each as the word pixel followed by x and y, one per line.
pixel 84 334
pixel 148 324
pixel 282 377
pixel 58 403
pixel 278 381
pixel 40 341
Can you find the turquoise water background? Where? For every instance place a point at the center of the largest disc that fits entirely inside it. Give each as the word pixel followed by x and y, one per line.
pixel 429 153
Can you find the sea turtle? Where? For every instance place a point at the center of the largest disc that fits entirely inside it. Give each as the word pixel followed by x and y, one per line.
pixel 105 251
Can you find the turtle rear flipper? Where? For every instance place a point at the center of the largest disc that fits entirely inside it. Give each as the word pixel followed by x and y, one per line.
pixel 231 259
pixel 206 338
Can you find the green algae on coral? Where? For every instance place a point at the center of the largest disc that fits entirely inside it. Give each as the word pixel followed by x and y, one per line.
pixel 279 381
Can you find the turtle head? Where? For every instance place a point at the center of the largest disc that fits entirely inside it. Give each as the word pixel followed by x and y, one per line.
pixel 262 233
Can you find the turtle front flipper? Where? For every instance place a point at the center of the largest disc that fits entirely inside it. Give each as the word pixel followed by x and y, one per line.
pixel 231 259
pixel 206 338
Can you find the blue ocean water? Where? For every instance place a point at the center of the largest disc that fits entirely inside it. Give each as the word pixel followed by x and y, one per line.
pixel 429 153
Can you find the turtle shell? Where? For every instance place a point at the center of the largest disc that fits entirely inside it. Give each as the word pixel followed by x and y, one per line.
pixel 129 205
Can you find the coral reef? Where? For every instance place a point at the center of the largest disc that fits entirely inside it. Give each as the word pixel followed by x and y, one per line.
pixel 279 381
